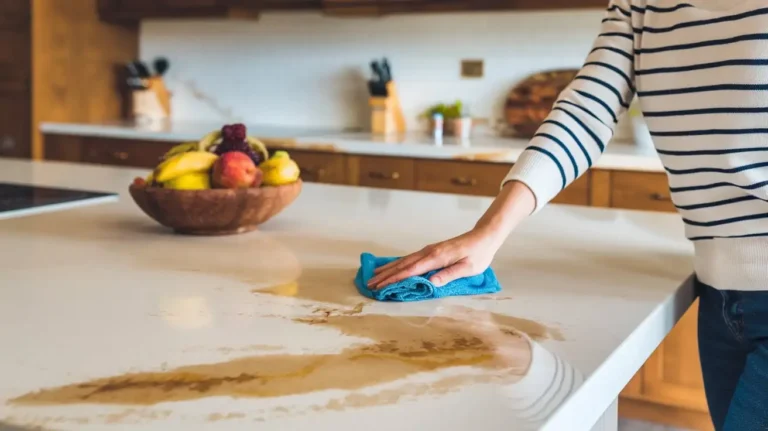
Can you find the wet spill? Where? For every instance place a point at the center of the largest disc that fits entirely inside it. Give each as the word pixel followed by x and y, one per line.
pixel 402 346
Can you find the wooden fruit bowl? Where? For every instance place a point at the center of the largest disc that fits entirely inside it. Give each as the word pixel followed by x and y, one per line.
pixel 215 211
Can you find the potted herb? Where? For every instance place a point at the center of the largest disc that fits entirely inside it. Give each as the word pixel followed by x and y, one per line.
pixel 456 119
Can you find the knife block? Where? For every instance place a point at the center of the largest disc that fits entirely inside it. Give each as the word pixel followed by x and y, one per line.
pixel 386 113
pixel 154 103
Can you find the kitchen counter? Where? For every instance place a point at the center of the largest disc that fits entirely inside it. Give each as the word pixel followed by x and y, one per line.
pixel 488 148
pixel 111 322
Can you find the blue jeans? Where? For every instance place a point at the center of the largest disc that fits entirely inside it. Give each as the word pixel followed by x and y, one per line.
pixel 733 347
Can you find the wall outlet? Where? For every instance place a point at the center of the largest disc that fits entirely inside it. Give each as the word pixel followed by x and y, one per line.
pixel 472 68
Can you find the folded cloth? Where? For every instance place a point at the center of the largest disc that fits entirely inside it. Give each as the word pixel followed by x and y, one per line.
pixel 419 288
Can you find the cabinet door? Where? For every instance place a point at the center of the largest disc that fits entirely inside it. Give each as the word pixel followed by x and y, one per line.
pixel 124 152
pixel 318 167
pixel 385 172
pixel 291 4
pixel 139 9
pixel 640 191
pixel 672 375
pixel 15 125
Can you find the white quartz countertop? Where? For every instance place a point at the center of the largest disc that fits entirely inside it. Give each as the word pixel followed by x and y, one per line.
pixel 482 147
pixel 109 321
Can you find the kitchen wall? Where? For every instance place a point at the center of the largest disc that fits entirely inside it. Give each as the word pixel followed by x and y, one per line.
pixel 309 70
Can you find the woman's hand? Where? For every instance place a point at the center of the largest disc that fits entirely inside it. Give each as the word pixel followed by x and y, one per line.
pixel 468 254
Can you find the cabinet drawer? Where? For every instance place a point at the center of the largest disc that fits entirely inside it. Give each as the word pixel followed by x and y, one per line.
pixel 386 172
pixel 640 191
pixel 329 168
pixel 577 193
pixel 63 148
pixel 466 178
pixel 124 152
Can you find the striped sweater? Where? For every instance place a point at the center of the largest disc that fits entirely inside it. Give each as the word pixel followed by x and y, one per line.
pixel 700 72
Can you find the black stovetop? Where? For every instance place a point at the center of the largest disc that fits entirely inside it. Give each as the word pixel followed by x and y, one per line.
pixel 15 197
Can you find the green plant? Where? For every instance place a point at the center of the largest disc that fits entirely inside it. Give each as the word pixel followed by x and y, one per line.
pixel 448 111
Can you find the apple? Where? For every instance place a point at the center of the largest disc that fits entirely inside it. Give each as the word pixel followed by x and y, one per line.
pixel 234 170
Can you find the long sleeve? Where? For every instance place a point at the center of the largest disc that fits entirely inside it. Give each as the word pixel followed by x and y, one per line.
pixel 584 117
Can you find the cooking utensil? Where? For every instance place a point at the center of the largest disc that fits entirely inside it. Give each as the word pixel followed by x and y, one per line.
pixel 161 65
pixel 142 69
pixel 133 80
pixel 386 69
pixel 378 73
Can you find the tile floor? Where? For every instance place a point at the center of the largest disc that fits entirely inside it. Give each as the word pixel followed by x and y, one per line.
pixel 630 425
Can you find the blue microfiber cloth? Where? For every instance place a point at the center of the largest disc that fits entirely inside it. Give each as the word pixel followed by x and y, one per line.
pixel 419 288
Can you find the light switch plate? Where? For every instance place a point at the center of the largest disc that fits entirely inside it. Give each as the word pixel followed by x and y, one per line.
pixel 472 68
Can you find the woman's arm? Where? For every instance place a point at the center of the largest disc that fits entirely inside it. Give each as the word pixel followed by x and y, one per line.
pixel 467 254
pixel 567 144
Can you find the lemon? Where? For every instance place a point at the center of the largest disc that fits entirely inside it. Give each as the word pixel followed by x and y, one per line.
pixel 190 181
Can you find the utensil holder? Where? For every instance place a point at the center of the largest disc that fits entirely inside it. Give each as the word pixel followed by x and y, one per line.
pixel 386 113
pixel 154 103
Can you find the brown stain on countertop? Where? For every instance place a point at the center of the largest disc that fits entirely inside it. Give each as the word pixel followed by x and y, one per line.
pixel 402 346
pixel 336 287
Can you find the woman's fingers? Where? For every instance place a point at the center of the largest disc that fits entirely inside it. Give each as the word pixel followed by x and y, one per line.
pixel 394 265
pixel 396 262
pixel 458 270
pixel 425 263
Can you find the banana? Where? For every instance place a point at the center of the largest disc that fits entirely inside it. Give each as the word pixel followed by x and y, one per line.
pixel 258 146
pixel 184 163
pixel 181 148
pixel 209 140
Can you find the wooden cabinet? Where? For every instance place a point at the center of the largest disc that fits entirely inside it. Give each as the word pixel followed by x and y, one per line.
pixel 319 167
pixel 385 7
pixel 384 172
pixel 142 154
pixel 105 151
pixel 641 191
pixel 15 77
pixel 466 178
pixel 669 388
pixel 134 10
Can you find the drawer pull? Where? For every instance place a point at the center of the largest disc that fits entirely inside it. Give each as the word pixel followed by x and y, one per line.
pixel 464 182
pixel 661 198
pixel 383 176
pixel 311 173
pixel 120 155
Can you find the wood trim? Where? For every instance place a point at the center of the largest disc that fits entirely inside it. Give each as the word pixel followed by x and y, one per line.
pixel 600 188
pixel 673 416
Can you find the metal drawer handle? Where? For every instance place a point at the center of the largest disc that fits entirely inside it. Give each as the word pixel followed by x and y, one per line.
pixel 464 182
pixel 120 155
pixel 661 198
pixel 317 174
pixel 383 176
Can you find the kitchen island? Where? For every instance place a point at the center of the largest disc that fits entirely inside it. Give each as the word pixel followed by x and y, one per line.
pixel 111 322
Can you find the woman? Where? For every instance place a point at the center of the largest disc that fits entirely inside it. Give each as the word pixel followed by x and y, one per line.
pixel 700 71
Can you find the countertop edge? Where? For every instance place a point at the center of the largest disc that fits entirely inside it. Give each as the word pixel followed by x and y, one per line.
pixel 619 156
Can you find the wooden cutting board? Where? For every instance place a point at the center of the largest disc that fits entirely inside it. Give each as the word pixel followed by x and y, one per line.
pixel 529 103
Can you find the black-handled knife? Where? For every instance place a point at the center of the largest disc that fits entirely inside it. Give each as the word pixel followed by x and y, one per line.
pixel 387 70
pixel 378 73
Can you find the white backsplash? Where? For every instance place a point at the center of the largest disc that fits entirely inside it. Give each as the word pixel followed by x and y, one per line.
pixel 303 69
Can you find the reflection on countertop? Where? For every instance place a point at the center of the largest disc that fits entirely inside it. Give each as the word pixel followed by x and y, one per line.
pixel 487 146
